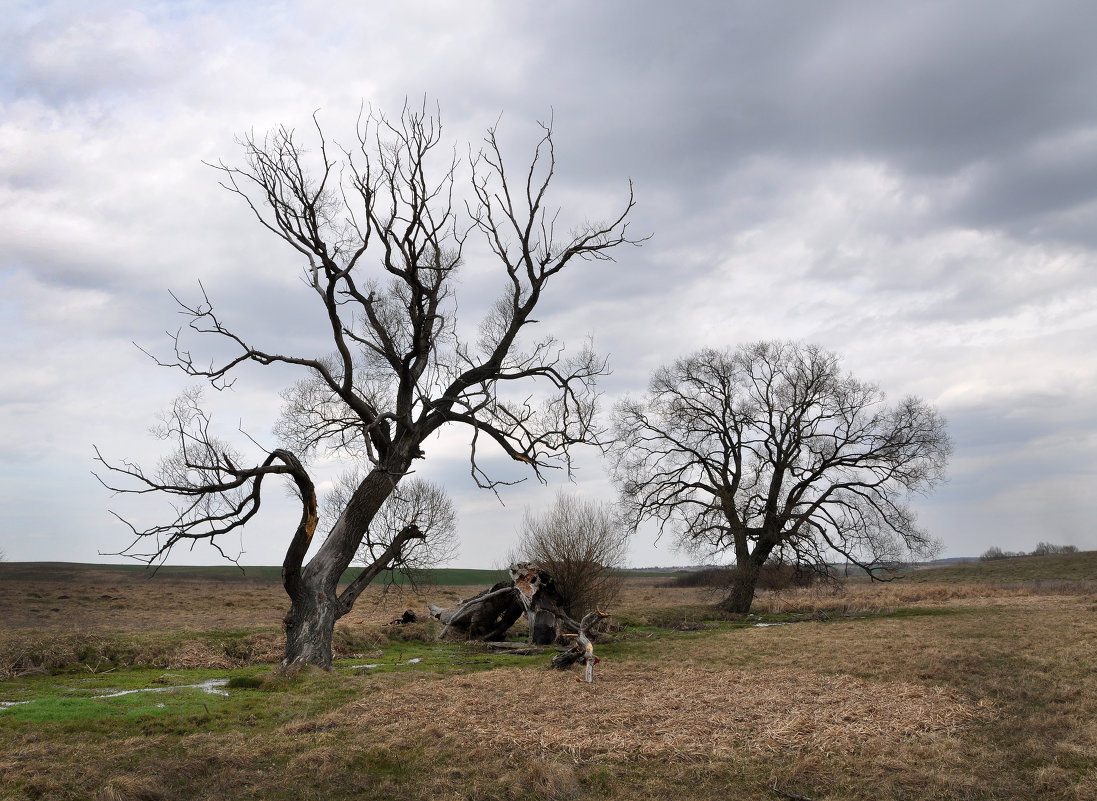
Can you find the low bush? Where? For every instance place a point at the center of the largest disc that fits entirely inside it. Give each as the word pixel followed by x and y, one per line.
pixel 778 576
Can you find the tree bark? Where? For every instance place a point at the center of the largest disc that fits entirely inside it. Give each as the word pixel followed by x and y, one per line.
pixel 485 616
pixel 744 580
pixel 490 614
pixel 310 626
pixel 541 601
pixel 315 602
pixel 583 650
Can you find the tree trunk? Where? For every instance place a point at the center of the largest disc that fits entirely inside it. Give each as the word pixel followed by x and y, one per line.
pixel 310 625
pixel 485 616
pixel 744 579
pixel 315 603
pixel 490 614
pixel 541 601
pixel 748 567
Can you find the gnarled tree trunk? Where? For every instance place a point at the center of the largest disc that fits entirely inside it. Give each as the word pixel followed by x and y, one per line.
pixel 310 626
pixel 541 601
pixel 487 616
pixel 315 601
pixel 741 593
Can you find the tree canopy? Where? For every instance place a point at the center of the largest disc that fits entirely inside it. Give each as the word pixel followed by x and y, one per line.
pixel 770 451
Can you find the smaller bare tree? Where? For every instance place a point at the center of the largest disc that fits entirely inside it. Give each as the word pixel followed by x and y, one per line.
pixel 582 544
pixel 772 453
pixel 414 502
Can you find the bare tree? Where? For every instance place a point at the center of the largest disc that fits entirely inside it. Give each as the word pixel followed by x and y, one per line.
pixel 582 544
pixel 381 237
pixel 414 502
pixel 769 451
pixel 1048 549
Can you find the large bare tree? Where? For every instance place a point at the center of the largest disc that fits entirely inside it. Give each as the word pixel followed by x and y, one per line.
pixel 769 451
pixel 381 230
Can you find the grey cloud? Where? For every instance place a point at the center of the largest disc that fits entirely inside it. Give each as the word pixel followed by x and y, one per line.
pixel 910 184
pixel 1038 192
pixel 931 89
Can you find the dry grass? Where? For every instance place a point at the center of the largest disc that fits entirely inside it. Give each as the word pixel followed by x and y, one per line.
pixel 64 617
pixel 965 692
pixel 104 600
pixel 670 712
pixel 865 598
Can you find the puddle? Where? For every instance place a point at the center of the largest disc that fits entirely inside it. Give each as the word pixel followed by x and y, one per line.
pixel 212 686
pixel 767 625
pixel 373 665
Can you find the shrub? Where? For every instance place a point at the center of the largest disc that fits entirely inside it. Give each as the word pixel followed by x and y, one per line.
pixel 772 576
pixel 1042 549
pixel 582 544
pixel 1047 549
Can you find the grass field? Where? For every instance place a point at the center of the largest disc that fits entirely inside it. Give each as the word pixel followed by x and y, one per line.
pixel 444 576
pixel 953 683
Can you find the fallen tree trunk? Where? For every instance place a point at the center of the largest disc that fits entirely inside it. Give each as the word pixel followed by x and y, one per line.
pixel 485 616
pixel 490 614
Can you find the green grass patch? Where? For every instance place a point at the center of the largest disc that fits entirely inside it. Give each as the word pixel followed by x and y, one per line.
pixel 437 657
pixel 138 705
pixel 921 611
pixel 140 695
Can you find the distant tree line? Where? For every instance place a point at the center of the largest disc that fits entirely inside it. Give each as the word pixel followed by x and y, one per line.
pixel 1042 549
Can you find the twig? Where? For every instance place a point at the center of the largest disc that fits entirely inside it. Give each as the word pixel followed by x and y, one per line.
pixel 95 670
pixel 788 795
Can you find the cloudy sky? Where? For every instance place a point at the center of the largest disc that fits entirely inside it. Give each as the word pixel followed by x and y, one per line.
pixel 911 185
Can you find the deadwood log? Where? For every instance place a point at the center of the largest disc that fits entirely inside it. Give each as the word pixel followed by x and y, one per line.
pixel 491 613
pixel 541 602
pixel 583 650
pixel 485 616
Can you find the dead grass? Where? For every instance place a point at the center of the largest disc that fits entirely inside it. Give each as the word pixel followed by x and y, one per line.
pixel 129 788
pixel 25 653
pixel 864 598
pixel 670 712
pixel 91 600
pixel 63 618
pixel 964 692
